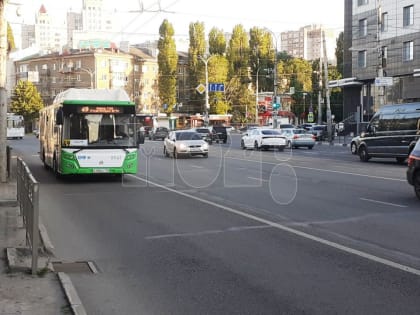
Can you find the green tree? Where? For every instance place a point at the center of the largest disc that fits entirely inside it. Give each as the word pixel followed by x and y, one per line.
pixel 339 53
pixel 167 62
pixel 261 57
pixel 196 49
pixel 26 101
pixel 217 42
pixel 10 39
pixel 238 54
pixel 218 68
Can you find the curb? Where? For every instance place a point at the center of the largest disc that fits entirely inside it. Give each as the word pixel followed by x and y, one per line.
pixel 71 294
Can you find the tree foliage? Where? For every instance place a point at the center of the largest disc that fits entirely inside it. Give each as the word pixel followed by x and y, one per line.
pixel 217 42
pixel 261 58
pixel 26 100
pixel 238 53
pixel 10 39
pixel 339 53
pixel 167 62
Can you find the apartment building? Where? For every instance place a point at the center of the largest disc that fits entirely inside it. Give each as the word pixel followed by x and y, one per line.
pixel 381 54
pixel 306 43
pixel 99 68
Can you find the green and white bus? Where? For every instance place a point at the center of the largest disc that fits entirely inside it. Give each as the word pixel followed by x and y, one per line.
pixel 89 131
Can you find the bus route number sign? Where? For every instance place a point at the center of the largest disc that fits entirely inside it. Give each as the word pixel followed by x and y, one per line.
pixel 100 110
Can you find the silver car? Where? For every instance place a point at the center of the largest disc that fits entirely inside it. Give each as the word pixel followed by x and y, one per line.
pixel 299 137
pixel 187 143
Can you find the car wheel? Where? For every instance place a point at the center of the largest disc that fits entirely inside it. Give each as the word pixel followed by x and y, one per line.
pixel 206 155
pixel 256 147
pixel 310 147
pixel 364 156
pixel 417 184
pixel 225 140
pixel 289 144
pixel 353 148
pixel 165 152
pixel 243 145
pixel 281 148
pixel 175 154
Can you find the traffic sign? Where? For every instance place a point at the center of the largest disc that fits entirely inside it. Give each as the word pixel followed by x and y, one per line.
pixel 200 88
pixel 310 117
pixel 216 87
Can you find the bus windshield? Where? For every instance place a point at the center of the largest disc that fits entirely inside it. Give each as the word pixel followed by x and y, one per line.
pixel 98 130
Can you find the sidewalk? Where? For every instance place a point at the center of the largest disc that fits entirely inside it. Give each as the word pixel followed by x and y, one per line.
pixel 21 292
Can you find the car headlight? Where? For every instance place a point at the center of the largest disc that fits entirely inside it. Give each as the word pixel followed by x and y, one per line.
pixel 205 146
pixel 182 146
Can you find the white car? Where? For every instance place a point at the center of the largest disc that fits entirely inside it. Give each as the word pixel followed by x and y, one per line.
pixel 298 137
pixel 263 138
pixel 187 143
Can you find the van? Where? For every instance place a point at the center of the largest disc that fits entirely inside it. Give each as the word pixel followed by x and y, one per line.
pixel 391 133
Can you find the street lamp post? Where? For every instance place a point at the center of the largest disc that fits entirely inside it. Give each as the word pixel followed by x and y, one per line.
pixel 91 73
pixel 207 105
pixel 274 76
pixel 256 96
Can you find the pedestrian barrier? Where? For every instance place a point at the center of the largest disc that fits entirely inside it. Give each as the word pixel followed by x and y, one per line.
pixel 28 201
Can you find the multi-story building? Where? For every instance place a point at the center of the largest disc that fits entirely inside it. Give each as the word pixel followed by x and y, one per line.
pixel 306 43
pixel 381 54
pixel 74 23
pixel 28 36
pixel 48 34
pixel 102 69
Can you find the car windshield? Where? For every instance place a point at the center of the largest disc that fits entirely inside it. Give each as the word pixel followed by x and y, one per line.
pixel 319 127
pixel 299 131
pixel 187 136
pixel 202 130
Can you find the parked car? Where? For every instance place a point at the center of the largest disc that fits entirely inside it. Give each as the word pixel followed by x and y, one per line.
pixel 354 144
pixel 158 133
pixel 219 133
pixel 307 126
pixel 248 127
pixel 413 171
pixel 185 142
pixel 298 137
pixel 286 126
pixel 205 134
pixel 263 138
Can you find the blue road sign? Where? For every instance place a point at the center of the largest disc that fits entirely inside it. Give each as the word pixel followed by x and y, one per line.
pixel 216 87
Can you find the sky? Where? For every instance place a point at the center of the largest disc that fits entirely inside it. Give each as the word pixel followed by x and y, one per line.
pixel 134 23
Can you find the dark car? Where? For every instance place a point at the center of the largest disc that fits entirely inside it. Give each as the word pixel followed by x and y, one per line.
pixel 205 134
pixel 413 171
pixel 219 133
pixel 158 133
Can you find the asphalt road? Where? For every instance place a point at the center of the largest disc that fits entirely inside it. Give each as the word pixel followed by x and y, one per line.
pixel 241 232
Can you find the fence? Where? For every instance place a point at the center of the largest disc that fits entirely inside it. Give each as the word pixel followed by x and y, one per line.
pixel 28 200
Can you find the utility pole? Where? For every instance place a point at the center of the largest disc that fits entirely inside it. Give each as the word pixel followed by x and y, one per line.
pixel 3 94
pixel 207 105
pixel 327 89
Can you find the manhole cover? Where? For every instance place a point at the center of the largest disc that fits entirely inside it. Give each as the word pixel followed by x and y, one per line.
pixel 75 267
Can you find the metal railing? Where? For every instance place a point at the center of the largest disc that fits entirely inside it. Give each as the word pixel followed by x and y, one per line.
pixel 28 201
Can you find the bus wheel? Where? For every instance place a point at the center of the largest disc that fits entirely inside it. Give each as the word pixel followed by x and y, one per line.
pixel 55 168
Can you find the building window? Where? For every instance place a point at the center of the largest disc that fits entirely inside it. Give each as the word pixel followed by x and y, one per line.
pixel 78 64
pixel 362 27
pixel 362 2
pixel 361 59
pixel 408 51
pixel 136 68
pixel 408 15
pixel 384 56
pixel 384 22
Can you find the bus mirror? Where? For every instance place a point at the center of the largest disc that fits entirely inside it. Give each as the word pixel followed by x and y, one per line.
pixel 59 116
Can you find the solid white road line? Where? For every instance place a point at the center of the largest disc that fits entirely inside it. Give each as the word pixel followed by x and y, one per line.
pixel 282 227
pixel 384 203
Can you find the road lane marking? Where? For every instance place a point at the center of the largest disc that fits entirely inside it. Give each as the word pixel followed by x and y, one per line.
pixel 209 232
pixel 384 203
pixel 282 227
pixel 196 166
pixel 321 170
pixel 259 179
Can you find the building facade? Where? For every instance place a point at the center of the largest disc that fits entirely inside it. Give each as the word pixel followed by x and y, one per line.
pixel 381 54
pixel 306 43
pixel 101 69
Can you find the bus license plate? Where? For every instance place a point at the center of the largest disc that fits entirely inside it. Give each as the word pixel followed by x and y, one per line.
pixel 100 170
